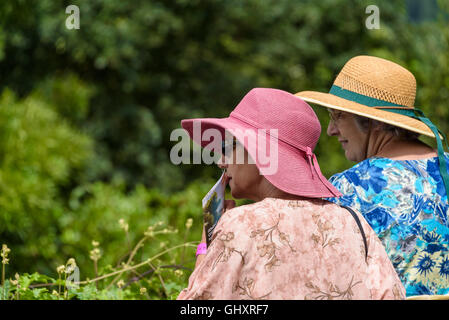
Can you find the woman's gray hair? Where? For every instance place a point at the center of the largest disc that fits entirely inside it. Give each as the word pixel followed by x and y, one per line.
pixel 364 124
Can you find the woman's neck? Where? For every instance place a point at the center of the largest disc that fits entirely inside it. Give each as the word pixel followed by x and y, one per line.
pixel 267 190
pixel 394 148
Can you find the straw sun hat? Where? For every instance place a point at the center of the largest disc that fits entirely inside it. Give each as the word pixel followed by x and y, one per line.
pixel 382 90
pixel 374 88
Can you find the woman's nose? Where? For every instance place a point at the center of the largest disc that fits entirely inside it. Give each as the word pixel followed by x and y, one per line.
pixel 332 129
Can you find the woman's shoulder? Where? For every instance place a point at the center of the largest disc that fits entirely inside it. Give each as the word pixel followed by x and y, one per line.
pixel 294 216
pixel 379 164
pixel 373 168
pixel 388 180
pixel 269 203
pixel 268 208
pixel 252 210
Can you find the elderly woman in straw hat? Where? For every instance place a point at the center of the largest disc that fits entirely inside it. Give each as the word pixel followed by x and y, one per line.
pixel 400 184
pixel 290 243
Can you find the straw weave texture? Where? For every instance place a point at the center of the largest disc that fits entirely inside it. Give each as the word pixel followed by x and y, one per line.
pixel 376 78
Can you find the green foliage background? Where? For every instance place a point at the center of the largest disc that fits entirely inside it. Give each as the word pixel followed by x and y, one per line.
pixel 86 115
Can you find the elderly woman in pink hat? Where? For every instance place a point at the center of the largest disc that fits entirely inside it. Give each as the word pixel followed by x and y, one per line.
pixel 290 243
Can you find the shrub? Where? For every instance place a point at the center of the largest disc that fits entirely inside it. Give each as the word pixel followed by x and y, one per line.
pixel 38 153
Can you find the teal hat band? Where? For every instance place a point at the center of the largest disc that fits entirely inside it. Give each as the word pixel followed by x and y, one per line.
pixel 360 98
pixel 413 113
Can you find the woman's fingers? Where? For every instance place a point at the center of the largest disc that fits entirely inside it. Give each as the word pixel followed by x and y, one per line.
pixel 229 204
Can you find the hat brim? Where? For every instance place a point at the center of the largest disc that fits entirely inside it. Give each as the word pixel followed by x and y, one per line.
pixel 292 175
pixel 331 101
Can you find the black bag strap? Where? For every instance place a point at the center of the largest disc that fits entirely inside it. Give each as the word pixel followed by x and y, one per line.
pixel 359 224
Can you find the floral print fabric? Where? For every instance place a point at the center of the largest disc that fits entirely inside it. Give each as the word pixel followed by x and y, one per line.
pixel 291 249
pixel 405 202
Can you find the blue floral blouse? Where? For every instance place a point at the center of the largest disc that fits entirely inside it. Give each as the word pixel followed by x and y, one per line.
pixel 405 202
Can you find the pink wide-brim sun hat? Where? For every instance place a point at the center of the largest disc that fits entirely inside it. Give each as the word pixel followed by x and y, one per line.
pixel 266 117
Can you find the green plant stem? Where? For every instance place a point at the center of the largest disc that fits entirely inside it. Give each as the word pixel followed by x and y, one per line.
pixel 3 281
pixel 3 275
pixel 127 240
pixel 65 284
pixel 96 272
pixel 139 276
pixel 59 284
pixel 131 256
pixel 189 244
pixel 151 271
pixel 160 278
pixel 184 249
pixel 148 261
pixel 136 248
pixel 122 258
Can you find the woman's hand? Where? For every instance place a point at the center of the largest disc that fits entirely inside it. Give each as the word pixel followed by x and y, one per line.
pixel 203 237
pixel 228 205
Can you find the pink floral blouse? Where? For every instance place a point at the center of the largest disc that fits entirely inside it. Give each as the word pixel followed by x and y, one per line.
pixel 293 249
